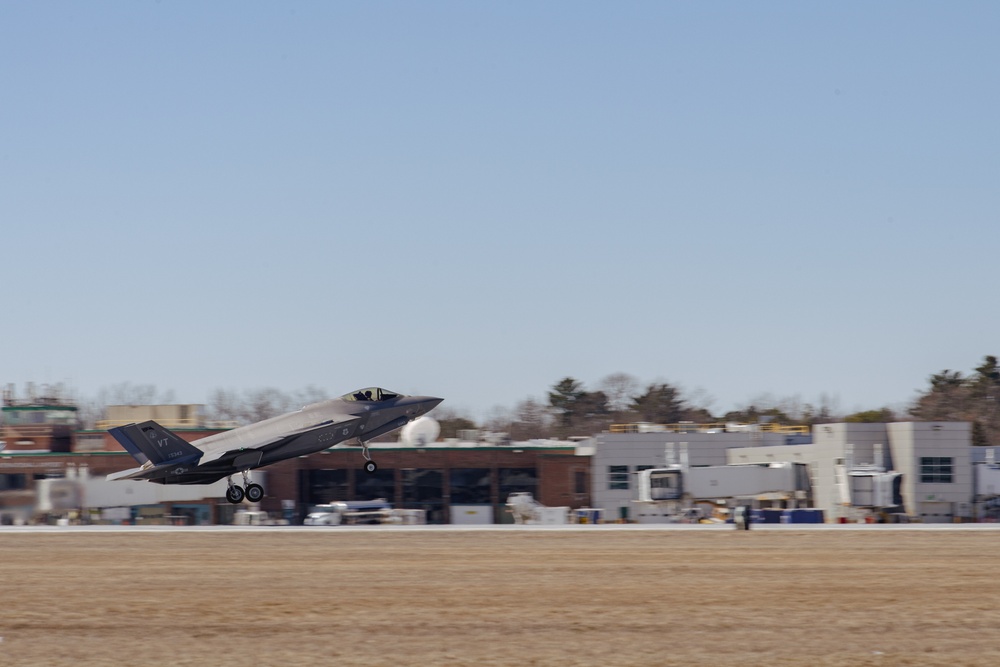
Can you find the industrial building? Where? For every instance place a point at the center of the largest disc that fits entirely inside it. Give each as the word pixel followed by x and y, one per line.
pixel 630 448
pixel 935 460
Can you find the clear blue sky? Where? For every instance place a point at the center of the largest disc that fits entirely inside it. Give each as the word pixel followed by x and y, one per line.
pixel 476 199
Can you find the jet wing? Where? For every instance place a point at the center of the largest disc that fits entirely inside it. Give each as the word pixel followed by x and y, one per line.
pixel 340 430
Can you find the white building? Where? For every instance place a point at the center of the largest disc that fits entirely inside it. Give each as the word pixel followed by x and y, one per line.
pixel 934 457
pixel 619 455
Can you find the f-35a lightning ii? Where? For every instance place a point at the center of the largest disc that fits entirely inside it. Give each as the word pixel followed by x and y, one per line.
pixel 165 458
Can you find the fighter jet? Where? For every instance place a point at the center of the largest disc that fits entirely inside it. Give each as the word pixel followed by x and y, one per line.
pixel 165 458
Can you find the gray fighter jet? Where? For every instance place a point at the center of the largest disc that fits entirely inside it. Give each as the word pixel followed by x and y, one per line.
pixel 166 458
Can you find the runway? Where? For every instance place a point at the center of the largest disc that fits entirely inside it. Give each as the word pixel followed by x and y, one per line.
pixel 569 528
pixel 500 596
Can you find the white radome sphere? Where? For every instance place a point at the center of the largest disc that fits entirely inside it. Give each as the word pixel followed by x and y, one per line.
pixel 420 431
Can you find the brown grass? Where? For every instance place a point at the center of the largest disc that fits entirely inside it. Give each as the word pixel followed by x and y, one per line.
pixel 500 598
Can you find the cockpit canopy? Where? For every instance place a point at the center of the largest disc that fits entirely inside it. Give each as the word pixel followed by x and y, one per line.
pixel 371 394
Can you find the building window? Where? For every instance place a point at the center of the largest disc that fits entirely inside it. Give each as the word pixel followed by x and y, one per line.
pixel 618 478
pixel 380 484
pixel 13 481
pixel 517 480
pixel 422 486
pixel 935 470
pixel 325 486
pixel 579 482
pixel 470 486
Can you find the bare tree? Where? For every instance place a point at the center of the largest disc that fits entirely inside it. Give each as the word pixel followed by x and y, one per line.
pixel 126 393
pixel 499 419
pixel 619 388
pixel 225 405
pixel 261 404
pixel 531 420
pixel 451 422
pixel 309 395
pixel 91 410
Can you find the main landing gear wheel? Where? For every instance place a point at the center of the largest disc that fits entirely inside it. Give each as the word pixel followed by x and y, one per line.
pixel 254 492
pixel 370 466
pixel 234 494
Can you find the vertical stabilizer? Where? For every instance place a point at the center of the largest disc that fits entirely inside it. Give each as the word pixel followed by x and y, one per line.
pixel 150 442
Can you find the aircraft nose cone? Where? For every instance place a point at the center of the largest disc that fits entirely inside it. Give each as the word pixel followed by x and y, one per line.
pixel 420 405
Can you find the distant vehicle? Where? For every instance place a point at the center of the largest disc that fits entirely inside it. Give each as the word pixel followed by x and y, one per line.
pixel 351 512
pixel 326 515
pixel 166 458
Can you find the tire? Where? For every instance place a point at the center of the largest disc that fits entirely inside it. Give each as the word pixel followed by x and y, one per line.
pixel 234 494
pixel 370 467
pixel 254 492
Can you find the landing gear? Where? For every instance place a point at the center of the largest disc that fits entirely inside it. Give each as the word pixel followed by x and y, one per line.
pixel 370 466
pixel 235 493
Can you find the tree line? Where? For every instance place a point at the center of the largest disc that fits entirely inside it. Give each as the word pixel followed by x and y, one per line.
pixel 572 409
pixel 973 398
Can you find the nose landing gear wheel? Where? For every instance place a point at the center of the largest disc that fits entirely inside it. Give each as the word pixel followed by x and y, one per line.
pixel 234 494
pixel 370 467
pixel 254 492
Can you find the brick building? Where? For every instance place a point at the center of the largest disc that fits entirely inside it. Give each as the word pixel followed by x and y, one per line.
pixel 434 477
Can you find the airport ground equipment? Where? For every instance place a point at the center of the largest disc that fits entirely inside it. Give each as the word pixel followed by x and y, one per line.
pixel 986 494
pixel 526 510
pixel 869 491
pixel 679 493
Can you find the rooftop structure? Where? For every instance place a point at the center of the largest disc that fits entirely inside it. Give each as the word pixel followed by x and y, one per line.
pixel 42 421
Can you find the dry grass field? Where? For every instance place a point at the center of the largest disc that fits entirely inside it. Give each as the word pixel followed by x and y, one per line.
pixel 500 598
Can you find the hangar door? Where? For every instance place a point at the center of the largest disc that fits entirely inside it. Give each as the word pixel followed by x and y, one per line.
pixel 936 512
